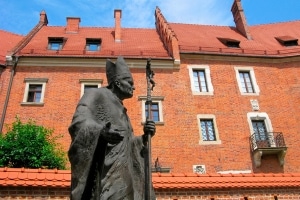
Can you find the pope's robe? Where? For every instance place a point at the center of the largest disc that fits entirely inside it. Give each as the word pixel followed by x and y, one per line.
pixel 100 170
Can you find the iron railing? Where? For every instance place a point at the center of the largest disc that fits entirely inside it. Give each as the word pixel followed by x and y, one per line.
pixel 269 140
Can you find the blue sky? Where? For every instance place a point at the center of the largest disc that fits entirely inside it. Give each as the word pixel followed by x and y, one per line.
pixel 20 16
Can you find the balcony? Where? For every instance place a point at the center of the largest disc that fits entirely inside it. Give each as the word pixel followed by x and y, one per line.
pixel 272 143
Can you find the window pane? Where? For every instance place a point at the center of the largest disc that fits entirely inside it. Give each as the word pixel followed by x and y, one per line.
pixel 203 131
pixel 55 46
pixel 55 43
pixel 155 116
pixel 207 130
pixel 92 47
pixel 200 81
pixel 259 129
pixel 93 44
pixel 154 112
pixel 38 97
pixel 30 97
pixel 154 106
pixel 261 134
pixel 34 93
pixel 246 82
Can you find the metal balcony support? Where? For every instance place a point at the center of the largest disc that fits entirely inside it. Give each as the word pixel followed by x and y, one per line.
pixel 271 143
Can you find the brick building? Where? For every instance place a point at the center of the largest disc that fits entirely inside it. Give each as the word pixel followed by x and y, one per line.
pixel 226 100
pixel 8 41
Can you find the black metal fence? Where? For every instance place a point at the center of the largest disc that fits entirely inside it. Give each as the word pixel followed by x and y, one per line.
pixel 270 140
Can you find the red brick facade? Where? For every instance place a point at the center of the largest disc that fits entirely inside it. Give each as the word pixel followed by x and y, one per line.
pixel 278 97
pixel 177 144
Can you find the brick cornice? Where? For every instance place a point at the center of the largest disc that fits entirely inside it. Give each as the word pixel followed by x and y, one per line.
pixel 237 58
pixel 92 62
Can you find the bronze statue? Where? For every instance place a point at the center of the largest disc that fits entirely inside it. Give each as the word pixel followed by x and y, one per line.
pixel 105 156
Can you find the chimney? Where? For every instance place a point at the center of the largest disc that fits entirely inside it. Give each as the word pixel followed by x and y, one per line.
pixel 118 15
pixel 43 18
pixel 240 19
pixel 72 24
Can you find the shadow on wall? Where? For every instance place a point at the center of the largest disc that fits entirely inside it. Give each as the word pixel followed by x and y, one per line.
pixel 269 164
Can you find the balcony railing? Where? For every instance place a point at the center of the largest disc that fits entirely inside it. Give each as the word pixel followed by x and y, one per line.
pixel 270 143
pixel 270 140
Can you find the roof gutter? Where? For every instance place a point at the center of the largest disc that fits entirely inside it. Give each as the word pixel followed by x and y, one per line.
pixel 15 60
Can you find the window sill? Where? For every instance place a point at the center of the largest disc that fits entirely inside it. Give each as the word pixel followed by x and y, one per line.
pixel 203 93
pixel 32 104
pixel 249 94
pixel 156 123
pixel 209 142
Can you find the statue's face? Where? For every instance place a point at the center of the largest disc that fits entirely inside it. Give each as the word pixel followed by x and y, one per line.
pixel 126 87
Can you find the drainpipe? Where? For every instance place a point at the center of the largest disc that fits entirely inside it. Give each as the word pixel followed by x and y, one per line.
pixel 15 60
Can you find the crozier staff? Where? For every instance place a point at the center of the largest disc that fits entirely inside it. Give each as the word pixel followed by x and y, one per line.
pixel 105 156
pixel 147 148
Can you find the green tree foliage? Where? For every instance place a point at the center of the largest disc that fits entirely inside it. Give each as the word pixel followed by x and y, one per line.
pixel 31 146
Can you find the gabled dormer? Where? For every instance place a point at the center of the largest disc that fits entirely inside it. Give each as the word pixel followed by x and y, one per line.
pixel 231 43
pixel 56 43
pixel 287 41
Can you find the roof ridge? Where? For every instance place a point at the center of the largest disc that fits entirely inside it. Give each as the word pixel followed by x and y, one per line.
pixel 99 27
pixel 27 38
pixel 275 23
pixel 16 34
pixel 227 175
pixel 38 170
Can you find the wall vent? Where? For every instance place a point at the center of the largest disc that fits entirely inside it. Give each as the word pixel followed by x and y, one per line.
pixel 199 169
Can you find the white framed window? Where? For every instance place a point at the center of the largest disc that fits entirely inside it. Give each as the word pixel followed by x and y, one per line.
pixel 156 109
pixel 88 84
pixel 200 80
pixel 208 129
pixel 34 91
pixel 246 81
pixel 261 130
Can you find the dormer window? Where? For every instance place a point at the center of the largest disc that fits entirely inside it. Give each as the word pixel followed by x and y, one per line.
pixel 93 44
pixel 55 43
pixel 287 41
pixel 232 43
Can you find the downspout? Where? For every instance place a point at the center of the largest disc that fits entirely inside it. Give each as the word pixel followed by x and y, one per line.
pixel 15 60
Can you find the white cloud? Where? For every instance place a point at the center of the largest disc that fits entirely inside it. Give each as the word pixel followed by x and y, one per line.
pixel 140 13
pixel 213 12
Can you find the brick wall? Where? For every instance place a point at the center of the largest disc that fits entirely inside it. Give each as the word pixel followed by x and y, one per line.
pixel 37 193
pixel 176 143
pixel 229 194
pixel 42 193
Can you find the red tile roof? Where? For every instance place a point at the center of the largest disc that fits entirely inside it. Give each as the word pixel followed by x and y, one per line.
pixel 34 177
pixel 197 38
pixel 61 178
pixel 7 42
pixel 209 181
pixel 135 42
pixel 144 43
